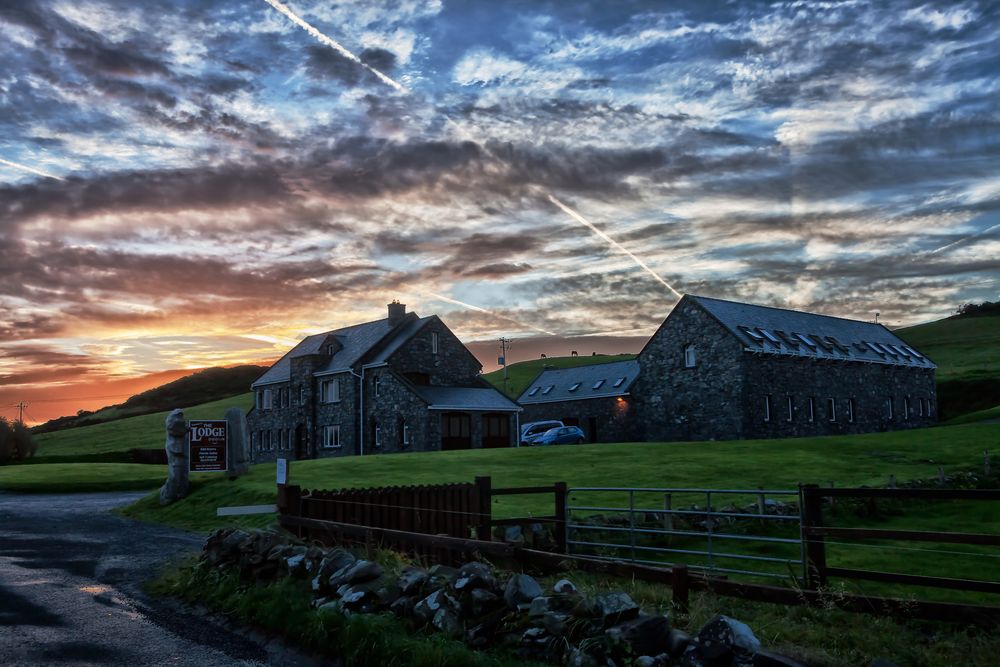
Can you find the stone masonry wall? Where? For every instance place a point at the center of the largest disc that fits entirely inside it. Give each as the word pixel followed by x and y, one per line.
pixel 868 385
pixel 701 403
pixel 616 421
pixel 395 402
pixel 453 365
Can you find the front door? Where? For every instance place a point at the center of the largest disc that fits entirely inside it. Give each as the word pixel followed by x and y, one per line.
pixel 456 431
pixel 301 443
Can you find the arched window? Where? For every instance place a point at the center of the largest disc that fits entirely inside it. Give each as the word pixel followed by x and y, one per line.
pixel 690 357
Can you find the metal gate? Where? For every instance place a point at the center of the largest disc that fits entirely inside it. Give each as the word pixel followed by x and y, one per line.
pixel 721 531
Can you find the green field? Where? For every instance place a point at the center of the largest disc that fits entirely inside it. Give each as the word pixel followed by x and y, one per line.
pixel 520 375
pixel 110 441
pixel 966 348
pixel 81 477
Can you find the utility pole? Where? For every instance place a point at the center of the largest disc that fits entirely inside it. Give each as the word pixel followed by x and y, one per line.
pixel 504 346
pixel 20 412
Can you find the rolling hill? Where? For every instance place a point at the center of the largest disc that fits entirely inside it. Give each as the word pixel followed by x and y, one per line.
pixel 520 375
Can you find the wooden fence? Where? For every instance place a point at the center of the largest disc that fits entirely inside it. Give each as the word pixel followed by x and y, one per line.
pixel 814 532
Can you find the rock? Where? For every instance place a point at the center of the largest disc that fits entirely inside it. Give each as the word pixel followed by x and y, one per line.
pixel 615 607
pixel 482 601
pixel 428 607
pixel 564 587
pixel 474 575
pixel 412 579
pixel 238 445
pixel 513 535
pixel 556 622
pixel 677 642
pixel 768 659
pixel 177 484
pixel 539 607
pixel 360 571
pixel 403 606
pixel 521 589
pixel 353 595
pixel 731 633
pixel 645 635
pixel 447 622
pixel 580 658
pixel 332 606
pixel 387 594
pixel 442 574
pixel 296 565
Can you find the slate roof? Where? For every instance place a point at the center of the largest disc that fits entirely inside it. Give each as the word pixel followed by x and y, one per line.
pixel 466 398
pixel 795 333
pixel 356 341
pixel 575 384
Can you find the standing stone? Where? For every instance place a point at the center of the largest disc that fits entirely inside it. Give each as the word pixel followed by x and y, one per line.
pixel 238 456
pixel 176 486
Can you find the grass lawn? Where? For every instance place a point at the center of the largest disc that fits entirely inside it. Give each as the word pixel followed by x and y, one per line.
pixel 81 477
pixel 108 442
pixel 520 375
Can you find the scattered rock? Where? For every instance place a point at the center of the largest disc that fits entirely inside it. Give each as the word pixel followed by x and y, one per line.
pixel 677 642
pixel 645 635
pixel 412 579
pixel 474 575
pixel 564 587
pixel 539 607
pixel 729 632
pixel 360 571
pixel 615 607
pixel 521 590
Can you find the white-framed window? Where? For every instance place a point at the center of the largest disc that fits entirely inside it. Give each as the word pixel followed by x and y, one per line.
pixel 435 341
pixel 268 444
pixel 331 437
pixel 888 408
pixel 790 402
pixel 376 385
pixel 850 410
pixel 406 435
pixel 812 409
pixel 690 357
pixel 331 390
pixel 331 349
pixel 831 409
pixel 767 407
pixel 267 401
pixel 378 436
pixel 906 408
pixel 260 400
pixel 920 407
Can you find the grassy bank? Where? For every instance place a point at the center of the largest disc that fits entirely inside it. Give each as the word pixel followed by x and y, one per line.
pixel 520 375
pixel 81 477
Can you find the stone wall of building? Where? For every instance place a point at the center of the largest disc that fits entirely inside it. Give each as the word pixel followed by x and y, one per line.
pixel 854 387
pixel 705 402
pixel 341 413
pixel 452 365
pixel 615 419
pixel 396 405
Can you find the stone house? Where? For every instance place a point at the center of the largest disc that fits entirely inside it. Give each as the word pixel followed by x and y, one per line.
pixel 403 383
pixel 724 370
pixel 596 398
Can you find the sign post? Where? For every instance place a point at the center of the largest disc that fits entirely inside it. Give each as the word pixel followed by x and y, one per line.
pixel 208 445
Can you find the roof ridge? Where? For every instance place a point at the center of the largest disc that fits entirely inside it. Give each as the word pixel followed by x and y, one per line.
pixel 787 310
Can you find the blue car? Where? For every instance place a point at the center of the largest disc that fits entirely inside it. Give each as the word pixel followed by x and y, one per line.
pixel 563 435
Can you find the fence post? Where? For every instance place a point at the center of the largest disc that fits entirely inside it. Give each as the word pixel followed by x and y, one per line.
pixel 290 502
pixel 484 499
pixel 811 508
pixel 761 505
pixel 679 586
pixel 562 518
pixel 668 518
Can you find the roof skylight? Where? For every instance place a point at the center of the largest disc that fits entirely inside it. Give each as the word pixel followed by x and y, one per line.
pixel 548 389
pixel 619 381
pixel 598 384
pixel 533 391
pixel 576 385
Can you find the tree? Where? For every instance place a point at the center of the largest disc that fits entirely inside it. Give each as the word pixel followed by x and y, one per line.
pixel 16 443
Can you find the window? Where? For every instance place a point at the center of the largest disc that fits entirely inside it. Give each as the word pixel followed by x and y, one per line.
pixel 533 391
pixel 791 408
pixel 619 382
pixel 831 409
pixel 260 400
pixel 330 390
pixel 267 400
pixel 812 409
pixel 906 408
pixel 850 410
pixel 767 407
pixel 253 440
pixel 548 389
pixel 376 385
pixel 284 397
pixel 805 339
pixel 378 436
pixel 930 412
pixel 754 336
pixel 598 384
pixel 770 337
pixel 690 357
pixel 270 444
pixel 888 408
pixel 331 436
pixel 330 350
pixel 434 342
pixel 283 443
pixel 575 386
pixel 302 395
pixel 404 434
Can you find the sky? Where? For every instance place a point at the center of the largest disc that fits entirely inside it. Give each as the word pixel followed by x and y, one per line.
pixel 188 184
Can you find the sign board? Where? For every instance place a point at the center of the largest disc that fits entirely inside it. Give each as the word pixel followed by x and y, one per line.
pixel 208 440
pixel 282 471
pixel 501 361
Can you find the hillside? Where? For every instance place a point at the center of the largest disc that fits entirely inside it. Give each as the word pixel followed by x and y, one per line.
pixel 520 375
pixel 204 386
pixel 967 352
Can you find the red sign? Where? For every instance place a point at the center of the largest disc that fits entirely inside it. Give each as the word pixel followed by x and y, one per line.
pixel 208 440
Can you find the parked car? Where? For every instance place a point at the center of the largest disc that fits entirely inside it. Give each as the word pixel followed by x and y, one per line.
pixel 564 435
pixel 534 430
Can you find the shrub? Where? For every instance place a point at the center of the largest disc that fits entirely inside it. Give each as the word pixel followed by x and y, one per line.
pixel 16 443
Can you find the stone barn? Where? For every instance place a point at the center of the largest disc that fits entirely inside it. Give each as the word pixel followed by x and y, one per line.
pixel 403 383
pixel 596 398
pixel 724 370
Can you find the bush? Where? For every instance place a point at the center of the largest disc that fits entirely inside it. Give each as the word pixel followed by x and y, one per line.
pixel 16 443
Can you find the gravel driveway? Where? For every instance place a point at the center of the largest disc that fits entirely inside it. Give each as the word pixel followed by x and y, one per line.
pixel 70 590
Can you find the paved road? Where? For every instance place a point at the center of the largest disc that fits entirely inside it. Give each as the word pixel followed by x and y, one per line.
pixel 70 590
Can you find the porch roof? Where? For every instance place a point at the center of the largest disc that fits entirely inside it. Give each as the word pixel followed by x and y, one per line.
pixel 476 399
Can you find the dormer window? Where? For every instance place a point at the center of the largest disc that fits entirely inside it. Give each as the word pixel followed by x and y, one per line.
pixel 330 349
pixel 690 357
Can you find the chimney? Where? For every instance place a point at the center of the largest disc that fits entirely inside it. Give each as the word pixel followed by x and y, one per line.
pixel 397 311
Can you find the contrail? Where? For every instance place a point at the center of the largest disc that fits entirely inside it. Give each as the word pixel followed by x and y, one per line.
pixel 333 44
pixel 614 244
pixel 448 299
pixel 963 240
pixel 30 170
